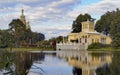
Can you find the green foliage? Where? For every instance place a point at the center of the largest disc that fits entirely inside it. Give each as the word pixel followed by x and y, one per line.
pixel 56 39
pixel 18 29
pixel 5 38
pixel 97 46
pixel 17 35
pixel 21 35
pixel 76 26
pixel 103 25
pixel 109 23
pixel 36 37
pixel 51 43
pixel 115 30
pixel 44 42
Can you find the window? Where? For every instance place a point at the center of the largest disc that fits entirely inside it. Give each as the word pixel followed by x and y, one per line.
pixel 85 39
pixel 97 40
pixel 80 40
pixel 92 40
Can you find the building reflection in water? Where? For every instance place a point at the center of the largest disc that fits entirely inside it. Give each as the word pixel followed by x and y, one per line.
pixel 84 62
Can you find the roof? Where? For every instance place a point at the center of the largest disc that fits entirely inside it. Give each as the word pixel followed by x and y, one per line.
pixel 93 32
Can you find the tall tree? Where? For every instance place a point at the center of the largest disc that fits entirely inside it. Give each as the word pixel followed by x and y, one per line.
pixel 103 25
pixel 18 29
pixel 115 30
pixel 109 23
pixel 4 38
pixel 76 26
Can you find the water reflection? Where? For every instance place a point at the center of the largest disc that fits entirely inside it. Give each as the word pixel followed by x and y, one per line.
pixel 18 63
pixel 6 63
pixel 60 63
pixel 85 63
pixel 24 60
pixel 115 65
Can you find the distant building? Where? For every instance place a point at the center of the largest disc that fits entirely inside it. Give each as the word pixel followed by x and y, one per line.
pixel 88 35
pixel 32 37
pixel 22 18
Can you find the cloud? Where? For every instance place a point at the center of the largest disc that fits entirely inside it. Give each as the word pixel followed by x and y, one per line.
pixel 52 17
pixel 96 9
pixel 15 1
pixel 39 16
pixel 53 31
pixel 54 10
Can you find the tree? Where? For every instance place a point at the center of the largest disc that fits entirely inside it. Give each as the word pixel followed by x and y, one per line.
pixel 4 38
pixel 76 26
pixel 36 37
pixel 18 28
pixel 22 35
pixel 109 23
pixel 115 30
pixel 103 25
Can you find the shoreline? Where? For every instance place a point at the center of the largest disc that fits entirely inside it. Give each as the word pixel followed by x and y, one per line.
pixel 51 49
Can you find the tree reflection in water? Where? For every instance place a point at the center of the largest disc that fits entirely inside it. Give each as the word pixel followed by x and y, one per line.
pixel 77 71
pixel 104 70
pixel 24 60
pixel 115 65
pixel 21 61
pixel 111 69
pixel 6 62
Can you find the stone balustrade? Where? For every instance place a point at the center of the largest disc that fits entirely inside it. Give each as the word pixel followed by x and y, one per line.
pixel 71 46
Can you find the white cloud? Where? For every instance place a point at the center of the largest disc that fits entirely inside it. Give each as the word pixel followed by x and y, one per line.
pixel 53 31
pixel 9 1
pixel 54 4
pixel 52 17
pixel 96 9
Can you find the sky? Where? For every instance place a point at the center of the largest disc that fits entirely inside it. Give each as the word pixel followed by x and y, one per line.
pixel 53 17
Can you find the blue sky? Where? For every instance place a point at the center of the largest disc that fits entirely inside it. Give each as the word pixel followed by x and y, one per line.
pixel 53 17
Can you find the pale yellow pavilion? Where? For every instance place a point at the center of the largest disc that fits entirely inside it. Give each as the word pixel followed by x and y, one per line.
pixel 88 35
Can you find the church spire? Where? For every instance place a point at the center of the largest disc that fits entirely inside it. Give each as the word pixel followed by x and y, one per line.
pixel 28 26
pixel 22 17
pixel 22 11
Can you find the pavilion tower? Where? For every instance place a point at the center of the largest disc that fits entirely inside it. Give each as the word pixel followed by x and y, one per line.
pixel 88 26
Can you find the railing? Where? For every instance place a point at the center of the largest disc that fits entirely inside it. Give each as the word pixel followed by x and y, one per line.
pixel 71 46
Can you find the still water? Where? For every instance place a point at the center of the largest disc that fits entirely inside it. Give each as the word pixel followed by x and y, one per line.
pixel 61 63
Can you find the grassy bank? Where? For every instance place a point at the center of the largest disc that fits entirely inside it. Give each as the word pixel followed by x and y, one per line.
pixel 30 49
pixel 101 47
pixel 104 49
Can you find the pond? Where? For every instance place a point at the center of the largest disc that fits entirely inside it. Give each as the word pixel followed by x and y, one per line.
pixel 60 63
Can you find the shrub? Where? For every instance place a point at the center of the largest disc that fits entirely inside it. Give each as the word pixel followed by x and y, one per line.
pixel 97 46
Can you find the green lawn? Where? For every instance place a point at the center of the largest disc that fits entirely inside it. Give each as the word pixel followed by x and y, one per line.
pixel 104 49
pixel 30 49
